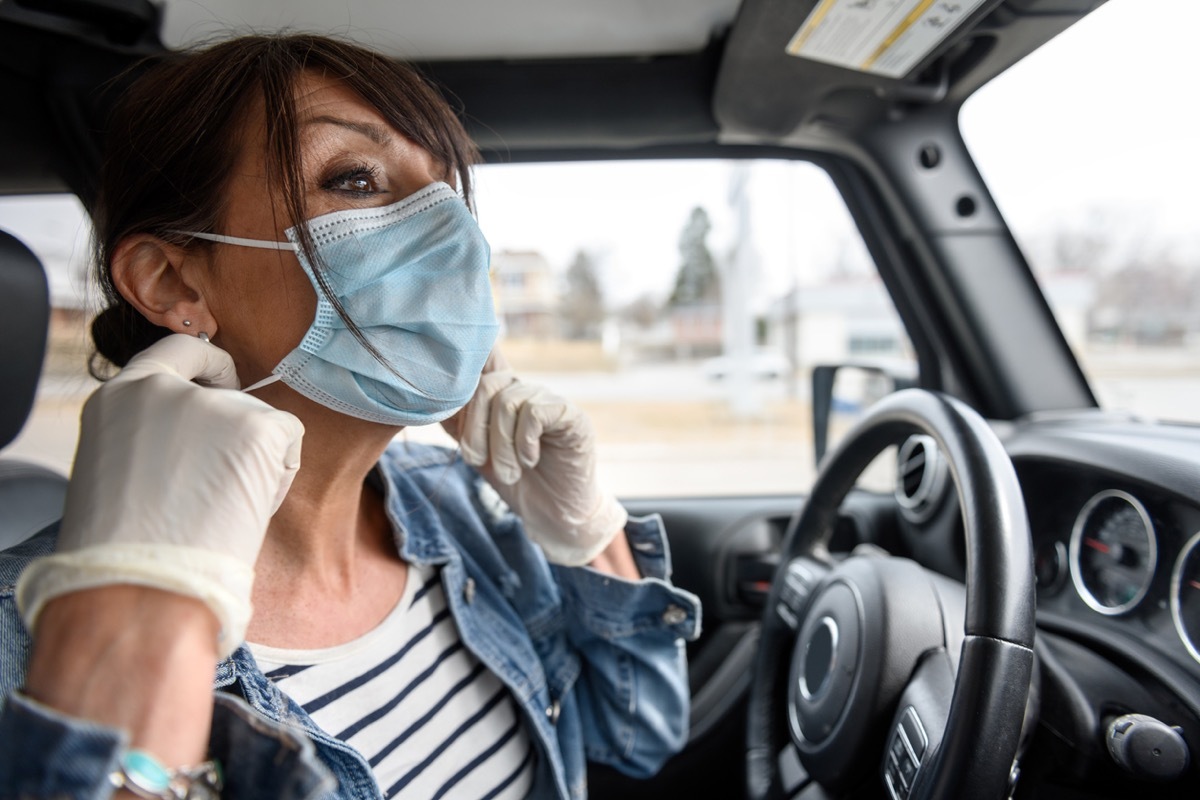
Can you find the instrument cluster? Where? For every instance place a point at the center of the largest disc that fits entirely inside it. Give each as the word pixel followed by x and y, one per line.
pixel 1124 556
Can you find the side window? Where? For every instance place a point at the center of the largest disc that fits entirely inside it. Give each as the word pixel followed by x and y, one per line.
pixel 55 228
pixel 683 305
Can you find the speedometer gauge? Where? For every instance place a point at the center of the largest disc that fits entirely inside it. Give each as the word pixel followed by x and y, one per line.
pixel 1185 596
pixel 1113 552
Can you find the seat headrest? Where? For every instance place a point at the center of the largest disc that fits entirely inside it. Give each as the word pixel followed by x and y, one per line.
pixel 24 321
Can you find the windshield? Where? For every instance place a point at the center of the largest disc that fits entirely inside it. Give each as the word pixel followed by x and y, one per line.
pixel 1091 149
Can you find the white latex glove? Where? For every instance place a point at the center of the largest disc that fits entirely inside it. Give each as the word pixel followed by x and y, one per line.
pixel 173 486
pixel 539 452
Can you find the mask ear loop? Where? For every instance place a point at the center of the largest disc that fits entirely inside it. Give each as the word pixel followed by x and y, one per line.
pixel 262 244
pixel 202 336
pixel 264 382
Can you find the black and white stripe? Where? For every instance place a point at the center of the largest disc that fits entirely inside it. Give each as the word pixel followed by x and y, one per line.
pixel 430 719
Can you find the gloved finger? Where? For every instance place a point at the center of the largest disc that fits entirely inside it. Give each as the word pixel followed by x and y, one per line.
pixel 507 406
pixel 186 356
pixel 529 437
pixel 475 417
pixel 550 416
pixel 496 362
pixel 453 424
pixel 456 425
pixel 292 431
pixel 473 423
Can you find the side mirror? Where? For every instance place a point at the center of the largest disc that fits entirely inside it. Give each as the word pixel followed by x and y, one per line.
pixel 846 391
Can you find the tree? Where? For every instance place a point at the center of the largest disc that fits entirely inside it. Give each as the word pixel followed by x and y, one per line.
pixel 697 280
pixel 1097 241
pixel 1146 305
pixel 582 303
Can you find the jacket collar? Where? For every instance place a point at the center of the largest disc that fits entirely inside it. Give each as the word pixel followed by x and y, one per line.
pixel 420 533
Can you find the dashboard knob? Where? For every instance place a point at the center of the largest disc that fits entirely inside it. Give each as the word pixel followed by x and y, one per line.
pixel 1146 747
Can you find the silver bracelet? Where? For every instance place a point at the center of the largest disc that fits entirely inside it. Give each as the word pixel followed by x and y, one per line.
pixel 143 775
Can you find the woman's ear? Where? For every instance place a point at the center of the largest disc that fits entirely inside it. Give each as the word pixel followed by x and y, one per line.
pixel 150 274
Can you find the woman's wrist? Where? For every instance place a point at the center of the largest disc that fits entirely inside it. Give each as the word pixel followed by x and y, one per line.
pixel 617 559
pixel 132 658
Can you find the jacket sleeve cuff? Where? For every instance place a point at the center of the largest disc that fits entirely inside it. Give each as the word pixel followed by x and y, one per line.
pixel 611 607
pixel 49 754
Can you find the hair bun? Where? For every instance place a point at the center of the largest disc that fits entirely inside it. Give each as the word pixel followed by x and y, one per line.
pixel 119 333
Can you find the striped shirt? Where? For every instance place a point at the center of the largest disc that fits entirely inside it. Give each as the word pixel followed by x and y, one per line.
pixel 429 718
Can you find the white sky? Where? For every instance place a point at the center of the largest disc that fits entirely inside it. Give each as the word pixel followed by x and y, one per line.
pixel 1105 117
pixel 1117 127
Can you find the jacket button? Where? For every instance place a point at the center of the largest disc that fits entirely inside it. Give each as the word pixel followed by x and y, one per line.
pixel 674 615
pixel 469 591
pixel 553 711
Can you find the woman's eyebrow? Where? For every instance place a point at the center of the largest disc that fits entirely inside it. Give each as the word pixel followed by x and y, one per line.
pixel 376 133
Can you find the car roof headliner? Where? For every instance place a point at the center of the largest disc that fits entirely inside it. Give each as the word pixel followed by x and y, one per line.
pixel 535 79
pixel 445 30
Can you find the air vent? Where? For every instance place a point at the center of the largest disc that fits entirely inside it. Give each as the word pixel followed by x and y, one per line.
pixel 920 478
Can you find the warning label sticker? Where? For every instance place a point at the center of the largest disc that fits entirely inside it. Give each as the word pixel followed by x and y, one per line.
pixel 883 37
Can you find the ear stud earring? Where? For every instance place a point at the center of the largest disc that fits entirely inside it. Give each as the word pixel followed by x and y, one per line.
pixel 202 336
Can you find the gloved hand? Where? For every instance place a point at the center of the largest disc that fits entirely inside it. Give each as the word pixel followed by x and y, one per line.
pixel 539 452
pixel 173 486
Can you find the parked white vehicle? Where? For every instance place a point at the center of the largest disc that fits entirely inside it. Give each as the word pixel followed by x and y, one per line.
pixel 764 365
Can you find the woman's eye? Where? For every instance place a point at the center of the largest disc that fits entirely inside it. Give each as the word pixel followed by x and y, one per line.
pixel 360 180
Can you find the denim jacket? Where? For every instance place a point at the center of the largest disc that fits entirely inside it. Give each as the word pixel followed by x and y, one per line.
pixel 595 662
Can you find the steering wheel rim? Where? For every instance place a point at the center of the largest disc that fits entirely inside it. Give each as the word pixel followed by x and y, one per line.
pixel 973 759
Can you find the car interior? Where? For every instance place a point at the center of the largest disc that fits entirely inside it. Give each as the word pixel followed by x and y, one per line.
pixel 1014 613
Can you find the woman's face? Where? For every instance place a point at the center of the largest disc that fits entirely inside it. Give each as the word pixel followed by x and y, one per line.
pixel 262 301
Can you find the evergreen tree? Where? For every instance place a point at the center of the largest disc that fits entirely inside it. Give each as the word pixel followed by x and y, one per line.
pixel 582 304
pixel 697 280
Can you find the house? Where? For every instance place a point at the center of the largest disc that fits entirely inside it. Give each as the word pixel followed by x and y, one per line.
pixel 526 294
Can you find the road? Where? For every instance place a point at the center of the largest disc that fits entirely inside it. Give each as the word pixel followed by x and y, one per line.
pixel 662 430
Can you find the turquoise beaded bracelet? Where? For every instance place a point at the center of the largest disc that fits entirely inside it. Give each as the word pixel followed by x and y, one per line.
pixel 143 775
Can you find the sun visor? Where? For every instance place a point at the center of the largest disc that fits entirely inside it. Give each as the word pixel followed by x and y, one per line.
pixel 889 38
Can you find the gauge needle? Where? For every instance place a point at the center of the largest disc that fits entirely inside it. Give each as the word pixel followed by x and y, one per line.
pixel 1096 544
pixel 1194 584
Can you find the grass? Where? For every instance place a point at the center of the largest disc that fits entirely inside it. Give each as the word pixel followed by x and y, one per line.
pixel 636 422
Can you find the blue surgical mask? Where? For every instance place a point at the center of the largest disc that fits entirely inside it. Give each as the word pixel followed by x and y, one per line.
pixel 414 277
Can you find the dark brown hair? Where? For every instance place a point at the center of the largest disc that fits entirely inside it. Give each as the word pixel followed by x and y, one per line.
pixel 174 135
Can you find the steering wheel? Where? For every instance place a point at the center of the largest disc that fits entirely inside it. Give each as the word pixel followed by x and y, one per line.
pixel 878 655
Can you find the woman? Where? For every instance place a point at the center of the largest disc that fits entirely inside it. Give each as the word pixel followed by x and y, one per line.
pixel 277 213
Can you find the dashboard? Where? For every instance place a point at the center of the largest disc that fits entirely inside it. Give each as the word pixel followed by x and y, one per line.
pixel 1122 555
pixel 1114 513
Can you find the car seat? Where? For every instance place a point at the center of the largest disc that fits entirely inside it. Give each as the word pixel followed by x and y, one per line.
pixel 31 496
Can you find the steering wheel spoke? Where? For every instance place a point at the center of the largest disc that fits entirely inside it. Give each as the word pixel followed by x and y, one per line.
pixel 919 723
pixel 800 578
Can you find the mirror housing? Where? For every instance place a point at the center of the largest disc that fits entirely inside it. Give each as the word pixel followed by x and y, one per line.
pixel 875 381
